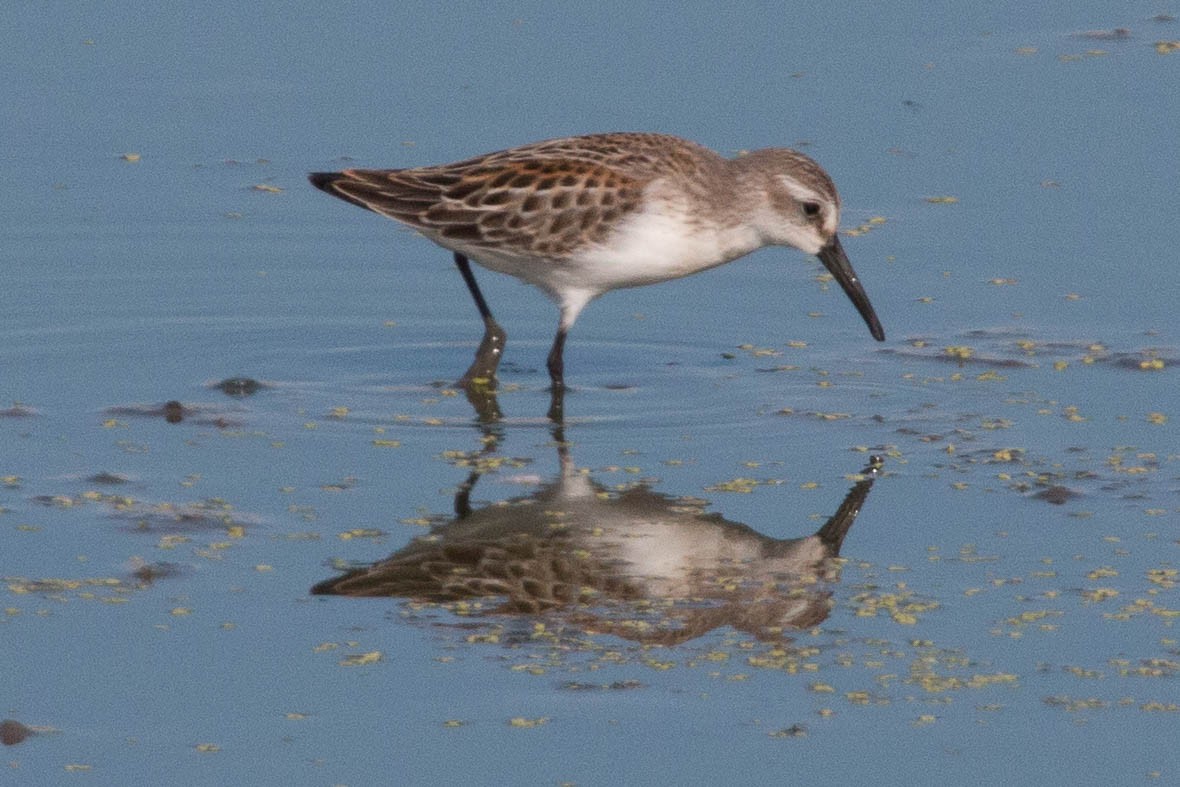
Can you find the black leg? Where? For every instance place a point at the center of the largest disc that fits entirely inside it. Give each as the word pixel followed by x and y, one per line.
pixel 556 368
pixel 555 363
pixel 487 358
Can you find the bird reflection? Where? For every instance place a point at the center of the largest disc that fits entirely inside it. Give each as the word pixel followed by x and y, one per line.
pixel 638 564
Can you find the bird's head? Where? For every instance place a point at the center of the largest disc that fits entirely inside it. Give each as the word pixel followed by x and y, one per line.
pixel 799 207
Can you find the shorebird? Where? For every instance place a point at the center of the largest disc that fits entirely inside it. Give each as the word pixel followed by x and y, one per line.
pixel 580 216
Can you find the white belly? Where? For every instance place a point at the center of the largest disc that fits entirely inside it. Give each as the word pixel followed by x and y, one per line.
pixel 647 248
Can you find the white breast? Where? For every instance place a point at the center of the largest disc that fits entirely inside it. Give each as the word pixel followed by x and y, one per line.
pixel 656 245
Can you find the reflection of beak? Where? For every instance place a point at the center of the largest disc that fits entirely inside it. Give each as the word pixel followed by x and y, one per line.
pixel 836 261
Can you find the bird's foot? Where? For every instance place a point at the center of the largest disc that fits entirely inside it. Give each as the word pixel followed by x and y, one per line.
pixel 482 372
pixel 557 404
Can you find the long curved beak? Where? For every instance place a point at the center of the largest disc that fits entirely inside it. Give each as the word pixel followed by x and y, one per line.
pixel 836 261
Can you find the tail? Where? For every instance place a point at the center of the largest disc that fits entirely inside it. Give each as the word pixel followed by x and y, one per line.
pixel 326 182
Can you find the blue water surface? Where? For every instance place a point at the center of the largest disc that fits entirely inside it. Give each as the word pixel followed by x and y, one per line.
pixel 1005 603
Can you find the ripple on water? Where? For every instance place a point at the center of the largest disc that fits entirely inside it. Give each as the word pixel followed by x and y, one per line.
pixel 653 385
pixel 919 392
pixel 647 387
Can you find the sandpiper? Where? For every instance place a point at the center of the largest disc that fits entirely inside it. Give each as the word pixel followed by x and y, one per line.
pixel 580 216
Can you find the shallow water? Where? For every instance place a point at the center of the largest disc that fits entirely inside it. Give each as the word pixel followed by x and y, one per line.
pixel 1004 602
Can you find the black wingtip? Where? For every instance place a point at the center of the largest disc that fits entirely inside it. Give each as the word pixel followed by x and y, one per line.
pixel 322 180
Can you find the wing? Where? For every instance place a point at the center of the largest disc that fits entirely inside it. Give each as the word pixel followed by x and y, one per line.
pixel 539 202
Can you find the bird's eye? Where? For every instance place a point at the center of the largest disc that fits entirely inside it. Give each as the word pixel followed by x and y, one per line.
pixel 810 209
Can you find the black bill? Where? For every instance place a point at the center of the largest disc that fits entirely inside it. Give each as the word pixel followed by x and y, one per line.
pixel 836 261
